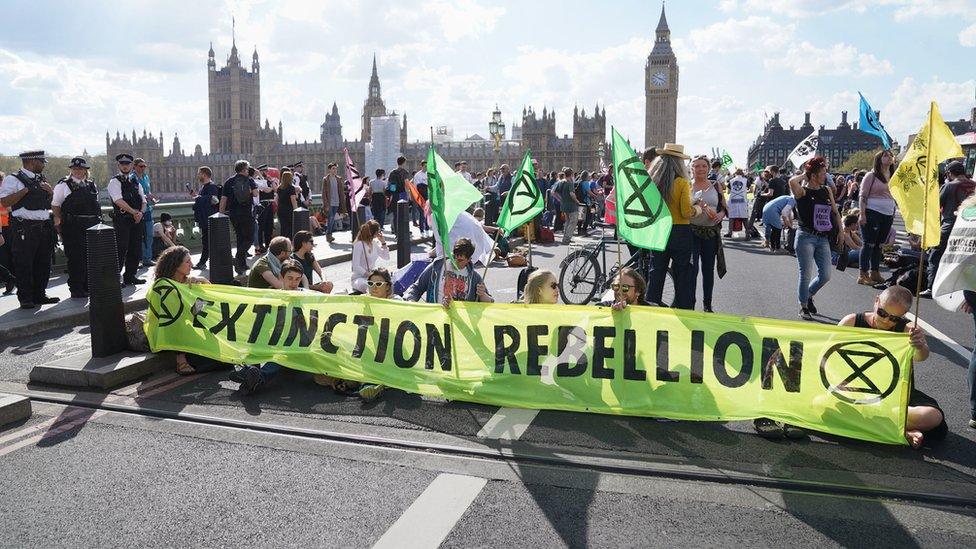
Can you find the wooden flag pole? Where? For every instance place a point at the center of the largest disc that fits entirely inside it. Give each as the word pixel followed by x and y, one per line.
pixel 484 276
pixel 528 234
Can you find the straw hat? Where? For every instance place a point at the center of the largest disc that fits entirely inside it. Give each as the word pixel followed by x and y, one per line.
pixel 673 149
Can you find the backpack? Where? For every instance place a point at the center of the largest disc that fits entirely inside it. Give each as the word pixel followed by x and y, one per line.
pixel 581 192
pixel 242 190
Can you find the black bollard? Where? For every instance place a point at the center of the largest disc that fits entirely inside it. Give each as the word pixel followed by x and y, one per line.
pixel 403 233
pixel 358 218
pixel 106 314
pixel 221 261
pixel 299 221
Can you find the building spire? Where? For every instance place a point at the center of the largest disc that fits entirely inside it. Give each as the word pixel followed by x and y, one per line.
pixel 233 30
pixel 374 66
pixel 662 24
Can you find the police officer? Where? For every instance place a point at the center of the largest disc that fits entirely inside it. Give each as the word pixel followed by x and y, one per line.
pixel 28 195
pixel 298 168
pixel 76 208
pixel 128 209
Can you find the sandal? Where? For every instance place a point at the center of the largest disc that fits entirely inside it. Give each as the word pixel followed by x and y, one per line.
pixel 183 368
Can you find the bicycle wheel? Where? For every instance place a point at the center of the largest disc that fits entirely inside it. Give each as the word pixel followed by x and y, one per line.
pixel 579 278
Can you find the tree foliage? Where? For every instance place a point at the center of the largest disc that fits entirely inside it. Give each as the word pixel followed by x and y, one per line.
pixel 57 167
pixel 861 160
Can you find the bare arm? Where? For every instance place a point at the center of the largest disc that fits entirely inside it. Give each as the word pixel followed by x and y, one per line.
pixel 271 279
pixel 796 186
pixel 12 199
pixel 223 204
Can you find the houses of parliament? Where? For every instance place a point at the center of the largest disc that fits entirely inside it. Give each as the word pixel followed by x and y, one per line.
pixel 237 130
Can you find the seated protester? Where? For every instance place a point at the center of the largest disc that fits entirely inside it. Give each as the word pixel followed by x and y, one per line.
pixel 502 246
pixel 380 284
pixel 850 240
pixel 628 289
pixel 266 271
pixel 253 377
pixel 175 264
pixel 303 244
pixel 541 288
pixel 442 282
pixel 164 234
pixel 368 249
pixel 926 422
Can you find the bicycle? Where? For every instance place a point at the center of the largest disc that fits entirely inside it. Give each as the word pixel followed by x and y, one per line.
pixel 584 274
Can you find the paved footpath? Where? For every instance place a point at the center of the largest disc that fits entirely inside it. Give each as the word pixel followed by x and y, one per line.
pixel 299 465
pixel 15 321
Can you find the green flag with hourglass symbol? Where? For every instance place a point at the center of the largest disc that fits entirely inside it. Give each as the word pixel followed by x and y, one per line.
pixel 523 201
pixel 643 219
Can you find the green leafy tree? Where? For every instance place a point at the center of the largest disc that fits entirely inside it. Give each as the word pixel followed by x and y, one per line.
pixel 861 160
pixel 57 167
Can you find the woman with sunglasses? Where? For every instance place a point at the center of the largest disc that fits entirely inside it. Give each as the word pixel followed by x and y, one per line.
pixel 380 285
pixel 303 244
pixel 541 288
pixel 628 289
pixel 925 421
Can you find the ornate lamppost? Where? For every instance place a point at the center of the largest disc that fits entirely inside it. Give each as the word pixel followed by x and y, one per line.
pixel 496 129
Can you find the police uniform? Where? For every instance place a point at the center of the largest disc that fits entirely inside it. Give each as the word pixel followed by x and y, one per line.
pixel 78 209
pixel 33 233
pixel 302 183
pixel 128 233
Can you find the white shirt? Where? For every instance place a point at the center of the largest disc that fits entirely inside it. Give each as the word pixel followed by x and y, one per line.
pixel 115 190
pixel 467 175
pixel 262 184
pixel 420 178
pixel 364 260
pixel 12 185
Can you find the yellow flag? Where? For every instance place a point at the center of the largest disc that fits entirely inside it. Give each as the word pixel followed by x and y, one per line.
pixel 915 185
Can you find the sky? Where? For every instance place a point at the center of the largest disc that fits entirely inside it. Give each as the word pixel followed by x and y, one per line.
pixel 90 67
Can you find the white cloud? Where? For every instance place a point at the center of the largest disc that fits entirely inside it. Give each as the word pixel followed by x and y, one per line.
pixel 805 59
pixel 967 36
pixel 794 8
pixel 752 34
pixel 905 112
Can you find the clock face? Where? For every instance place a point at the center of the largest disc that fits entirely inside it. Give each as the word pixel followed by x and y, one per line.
pixel 660 79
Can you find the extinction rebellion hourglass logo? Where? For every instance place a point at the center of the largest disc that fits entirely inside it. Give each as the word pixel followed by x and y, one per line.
pixel 860 372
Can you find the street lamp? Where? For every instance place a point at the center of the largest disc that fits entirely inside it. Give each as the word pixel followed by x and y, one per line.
pixel 496 129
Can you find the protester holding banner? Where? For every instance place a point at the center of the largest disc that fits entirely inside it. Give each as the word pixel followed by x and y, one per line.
pixel 628 288
pixel 877 213
pixel 266 271
pixel 443 281
pixel 953 193
pixel 817 213
pixel 541 288
pixel 175 264
pixel 252 377
pixel 706 228
pixel 668 174
pixel 303 244
pixel 925 421
pixel 368 248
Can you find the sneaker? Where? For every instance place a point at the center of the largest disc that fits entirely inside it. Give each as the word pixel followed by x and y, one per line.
pixel 768 428
pixel 926 294
pixel 9 289
pixel 237 374
pixel 149 263
pixel 794 433
pixel 369 392
pixel 135 281
pixel 805 314
pixel 252 380
pixel 811 307
pixel 865 280
pixel 47 300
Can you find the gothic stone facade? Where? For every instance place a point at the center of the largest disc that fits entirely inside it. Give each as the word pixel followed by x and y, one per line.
pixel 236 132
pixel 775 143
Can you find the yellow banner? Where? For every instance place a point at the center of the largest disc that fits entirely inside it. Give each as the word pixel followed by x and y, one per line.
pixel 644 361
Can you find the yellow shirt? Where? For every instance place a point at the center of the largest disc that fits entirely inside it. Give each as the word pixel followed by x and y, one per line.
pixel 680 202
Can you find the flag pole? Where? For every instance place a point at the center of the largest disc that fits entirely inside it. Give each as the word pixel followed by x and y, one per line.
pixel 484 275
pixel 925 224
pixel 528 234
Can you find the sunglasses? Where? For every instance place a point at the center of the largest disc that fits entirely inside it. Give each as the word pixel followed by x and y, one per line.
pixel 376 283
pixel 621 287
pixel 885 314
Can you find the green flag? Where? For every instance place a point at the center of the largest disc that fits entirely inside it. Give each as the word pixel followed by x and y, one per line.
pixel 524 201
pixel 757 167
pixel 450 194
pixel 643 219
pixel 726 159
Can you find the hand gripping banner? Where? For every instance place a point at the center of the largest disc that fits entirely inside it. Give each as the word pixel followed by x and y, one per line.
pixel 643 361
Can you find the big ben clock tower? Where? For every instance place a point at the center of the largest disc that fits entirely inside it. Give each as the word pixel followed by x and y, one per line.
pixel 661 89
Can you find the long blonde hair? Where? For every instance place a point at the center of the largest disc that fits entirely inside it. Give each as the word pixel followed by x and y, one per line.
pixel 535 284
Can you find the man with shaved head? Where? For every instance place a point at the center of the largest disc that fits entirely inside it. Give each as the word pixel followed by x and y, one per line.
pixel 925 422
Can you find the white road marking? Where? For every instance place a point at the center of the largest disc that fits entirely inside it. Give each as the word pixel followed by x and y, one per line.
pixel 934 332
pixel 432 516
pixel 508 424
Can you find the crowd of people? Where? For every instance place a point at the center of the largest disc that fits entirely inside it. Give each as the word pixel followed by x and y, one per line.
pixel 824 219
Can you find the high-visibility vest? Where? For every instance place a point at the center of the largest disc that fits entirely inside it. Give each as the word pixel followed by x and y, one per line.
pixel 4 216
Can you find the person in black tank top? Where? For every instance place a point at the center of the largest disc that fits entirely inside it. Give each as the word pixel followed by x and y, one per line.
pixel 925 422
pixel 817 213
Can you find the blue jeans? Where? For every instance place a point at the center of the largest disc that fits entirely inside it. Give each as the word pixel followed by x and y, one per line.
pixel 874 233
pixel 269 370
pixel 333 211
pixel 677 254
pixel 811 248
pixel 703 253
pixel 147 242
